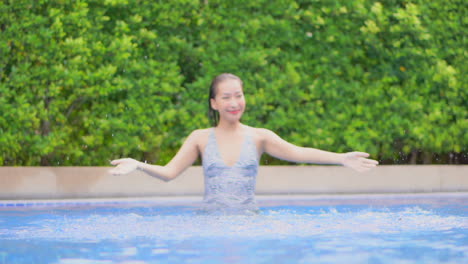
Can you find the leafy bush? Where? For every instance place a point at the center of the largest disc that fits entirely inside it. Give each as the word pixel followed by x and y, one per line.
pixel 85 82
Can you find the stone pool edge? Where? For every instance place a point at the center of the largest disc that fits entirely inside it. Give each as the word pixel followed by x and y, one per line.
pixel 24 183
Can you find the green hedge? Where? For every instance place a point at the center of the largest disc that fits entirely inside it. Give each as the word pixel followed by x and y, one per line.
pixel 85 82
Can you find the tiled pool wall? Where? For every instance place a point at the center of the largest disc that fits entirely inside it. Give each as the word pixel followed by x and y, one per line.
pixel 36 183
pixel 97 202
pixel 435 199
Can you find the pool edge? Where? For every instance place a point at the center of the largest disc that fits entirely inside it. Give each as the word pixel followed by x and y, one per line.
pixel 23 183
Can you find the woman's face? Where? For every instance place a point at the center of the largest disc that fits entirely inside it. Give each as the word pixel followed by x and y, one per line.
pixel 229 100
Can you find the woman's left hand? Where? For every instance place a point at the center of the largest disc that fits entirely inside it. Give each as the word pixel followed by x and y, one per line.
pixel 359 161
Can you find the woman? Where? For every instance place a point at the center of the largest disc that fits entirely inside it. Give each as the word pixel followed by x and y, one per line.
pixel 231 151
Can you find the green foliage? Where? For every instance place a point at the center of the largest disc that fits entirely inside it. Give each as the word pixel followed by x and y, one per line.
pixel 83 82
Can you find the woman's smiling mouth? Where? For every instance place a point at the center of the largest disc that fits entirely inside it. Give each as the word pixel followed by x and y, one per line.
pixel 234 112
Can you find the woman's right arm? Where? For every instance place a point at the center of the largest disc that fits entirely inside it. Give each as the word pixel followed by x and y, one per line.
pixel 185 157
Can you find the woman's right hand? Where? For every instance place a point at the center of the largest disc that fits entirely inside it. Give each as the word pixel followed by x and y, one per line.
pixel 124 166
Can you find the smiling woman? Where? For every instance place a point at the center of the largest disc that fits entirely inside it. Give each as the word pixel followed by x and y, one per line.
pixel 231 151
pixel 212 112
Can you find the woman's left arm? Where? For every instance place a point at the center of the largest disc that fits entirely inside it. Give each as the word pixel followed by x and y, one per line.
pixel 279 148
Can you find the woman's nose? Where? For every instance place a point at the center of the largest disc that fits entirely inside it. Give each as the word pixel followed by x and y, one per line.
pixel 232 102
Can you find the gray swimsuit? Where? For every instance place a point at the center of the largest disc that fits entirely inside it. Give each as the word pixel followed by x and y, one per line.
pixel 230 186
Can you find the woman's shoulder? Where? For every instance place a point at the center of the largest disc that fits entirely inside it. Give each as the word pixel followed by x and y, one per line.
pixel 202 132
pixel 258 129
pixel 200 136
pixel 260 132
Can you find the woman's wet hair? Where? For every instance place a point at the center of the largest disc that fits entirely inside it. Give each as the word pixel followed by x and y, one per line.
pixel 213 115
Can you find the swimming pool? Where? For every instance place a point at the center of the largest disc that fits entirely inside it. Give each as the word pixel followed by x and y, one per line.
pixel 417 228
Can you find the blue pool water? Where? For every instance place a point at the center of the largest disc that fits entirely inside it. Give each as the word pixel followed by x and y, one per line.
pixel 335 229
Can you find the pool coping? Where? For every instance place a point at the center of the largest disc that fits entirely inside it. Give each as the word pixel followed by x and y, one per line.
pixel 43 183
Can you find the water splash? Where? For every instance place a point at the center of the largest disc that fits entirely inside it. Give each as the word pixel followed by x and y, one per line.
pixel 279 234
pixel 269 224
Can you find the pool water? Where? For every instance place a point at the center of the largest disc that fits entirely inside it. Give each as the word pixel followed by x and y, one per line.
pixel 381 229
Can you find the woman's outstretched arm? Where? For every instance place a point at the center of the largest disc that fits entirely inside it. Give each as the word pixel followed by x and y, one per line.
pixel 185 157
pixel 279 148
